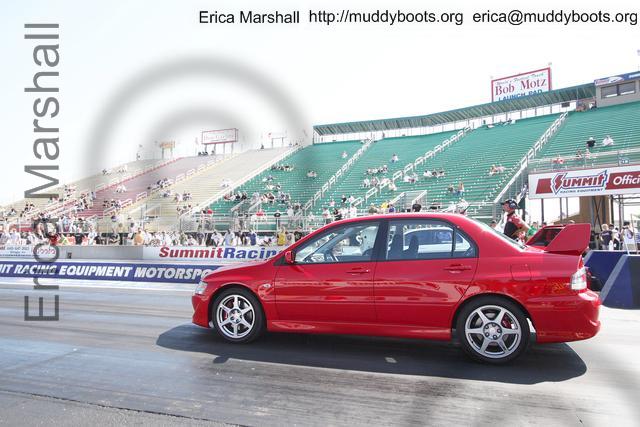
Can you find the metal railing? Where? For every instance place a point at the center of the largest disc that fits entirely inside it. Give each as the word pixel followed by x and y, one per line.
pixel 335 177
pixel 220 194
pixel 607 159
pixel 524 161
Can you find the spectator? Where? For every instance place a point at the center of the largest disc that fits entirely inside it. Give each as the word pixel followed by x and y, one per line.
pixel 493 224
pixel 607 141
pixel 427 174
pixel 337 215
pixel 366 183
pixel 591 142
pixel 606 238
pixel 493 170
pixel 138 238
pixel 344 155
pixel 228 238
pixel 514 227
pixel 615 237
pixel 326 215
pixel 628 237
pixel 460 190
pixel 416 207
pixel 532 230
pixel 282 237
pixel 450 188
pixel 394 158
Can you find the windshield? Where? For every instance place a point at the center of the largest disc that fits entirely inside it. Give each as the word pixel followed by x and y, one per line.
pixel 502 236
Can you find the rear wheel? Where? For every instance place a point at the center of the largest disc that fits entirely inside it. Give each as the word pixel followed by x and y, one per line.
pixel 493 330
pixel 237 315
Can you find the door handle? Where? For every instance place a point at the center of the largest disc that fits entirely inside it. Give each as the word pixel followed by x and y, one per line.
pixel 457 268
pixel 358 271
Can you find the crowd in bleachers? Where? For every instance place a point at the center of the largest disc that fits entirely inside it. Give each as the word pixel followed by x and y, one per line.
pixel 558 162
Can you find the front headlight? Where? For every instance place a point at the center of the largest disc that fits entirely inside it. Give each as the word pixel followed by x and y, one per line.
pixel 200 288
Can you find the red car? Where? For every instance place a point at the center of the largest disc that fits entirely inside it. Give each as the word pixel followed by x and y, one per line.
pixel 429 276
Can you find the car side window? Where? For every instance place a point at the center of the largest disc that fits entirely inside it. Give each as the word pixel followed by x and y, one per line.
pixel 413 239
pixel 346 243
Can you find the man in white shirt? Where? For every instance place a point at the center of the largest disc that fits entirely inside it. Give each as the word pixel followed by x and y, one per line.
pixel 607 141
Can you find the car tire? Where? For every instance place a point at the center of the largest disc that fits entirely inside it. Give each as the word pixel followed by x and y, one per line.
pixel 237 315
pixel 489 339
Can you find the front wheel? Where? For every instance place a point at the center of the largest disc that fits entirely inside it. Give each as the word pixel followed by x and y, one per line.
pixel 237 315
pixel 493 330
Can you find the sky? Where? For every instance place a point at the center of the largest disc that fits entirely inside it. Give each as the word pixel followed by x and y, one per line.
pixel 134 72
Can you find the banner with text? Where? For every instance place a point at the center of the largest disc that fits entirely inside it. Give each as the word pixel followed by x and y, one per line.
pixel 168 273
pixel 222 253
pixel 585 182
pixel 25 251
pixel 219 136
pixel 519 85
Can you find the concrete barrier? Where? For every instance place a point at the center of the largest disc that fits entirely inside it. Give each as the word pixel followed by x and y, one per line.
pixel 622 289
pixel 602 263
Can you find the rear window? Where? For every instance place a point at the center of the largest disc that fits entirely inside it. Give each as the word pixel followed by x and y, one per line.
pixel 498 233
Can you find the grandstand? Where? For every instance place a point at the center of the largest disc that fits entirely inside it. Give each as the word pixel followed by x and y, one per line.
pixel 141 186
pixel 96 183
pixel 324 159
pixel 517 135
pixel 621 122
pixel 408 150
pixel 206 183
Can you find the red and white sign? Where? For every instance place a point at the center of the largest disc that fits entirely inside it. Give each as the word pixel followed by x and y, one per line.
pixel 219 136
pixel 523 84
pixel 585 182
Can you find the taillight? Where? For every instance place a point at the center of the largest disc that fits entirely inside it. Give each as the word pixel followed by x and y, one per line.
pixel 579 280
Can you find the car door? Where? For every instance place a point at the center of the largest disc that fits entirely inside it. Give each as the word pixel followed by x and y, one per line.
pixel 422 275
pixel 331 279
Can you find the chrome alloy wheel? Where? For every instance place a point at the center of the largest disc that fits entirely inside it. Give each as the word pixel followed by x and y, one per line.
pixel 235 316
pixel 493 331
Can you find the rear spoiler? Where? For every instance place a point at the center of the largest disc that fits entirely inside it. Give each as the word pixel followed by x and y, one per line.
pixel 571 239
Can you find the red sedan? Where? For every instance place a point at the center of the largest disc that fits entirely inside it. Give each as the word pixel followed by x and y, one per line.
pixel 427 276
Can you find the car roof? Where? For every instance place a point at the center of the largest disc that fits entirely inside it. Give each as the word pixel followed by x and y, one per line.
pixel 446 216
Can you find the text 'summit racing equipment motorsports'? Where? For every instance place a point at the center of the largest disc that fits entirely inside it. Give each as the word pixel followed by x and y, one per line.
pixel 428 276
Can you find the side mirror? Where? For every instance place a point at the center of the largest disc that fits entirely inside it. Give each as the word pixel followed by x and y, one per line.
pixel 288 257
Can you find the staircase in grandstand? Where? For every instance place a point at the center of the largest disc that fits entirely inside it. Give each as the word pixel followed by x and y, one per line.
pixel 205 185
pixel 379 154
pixel 337 177
pixel 323 159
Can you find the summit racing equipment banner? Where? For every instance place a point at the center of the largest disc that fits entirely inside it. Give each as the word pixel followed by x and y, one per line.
pixel 221 253
pixel 169 273
pixel 585 182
